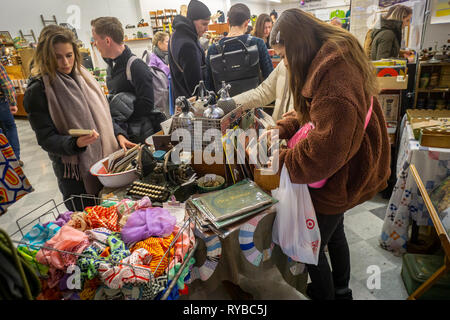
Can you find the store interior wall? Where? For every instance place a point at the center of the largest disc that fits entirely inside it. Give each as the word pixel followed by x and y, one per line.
pixel 25 15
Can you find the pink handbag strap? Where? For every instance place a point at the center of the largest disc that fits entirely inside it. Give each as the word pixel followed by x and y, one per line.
pixel 369 114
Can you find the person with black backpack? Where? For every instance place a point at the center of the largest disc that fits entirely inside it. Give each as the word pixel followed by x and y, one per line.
pixel 239 59
pixel 129 81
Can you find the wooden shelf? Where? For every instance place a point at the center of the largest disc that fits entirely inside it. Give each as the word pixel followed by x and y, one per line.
pixel 137 39
pixel 428 64
pixel 434 90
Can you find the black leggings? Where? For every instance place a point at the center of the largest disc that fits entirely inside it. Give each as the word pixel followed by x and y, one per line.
pixel 324 281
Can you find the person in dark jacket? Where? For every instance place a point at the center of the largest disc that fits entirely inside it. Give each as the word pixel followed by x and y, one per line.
pixel 108 35
pixel 63 95
pixel 387 39
pixel 186 56
pixel 239 18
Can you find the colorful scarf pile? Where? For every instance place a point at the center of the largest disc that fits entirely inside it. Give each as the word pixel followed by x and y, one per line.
pixel 157 247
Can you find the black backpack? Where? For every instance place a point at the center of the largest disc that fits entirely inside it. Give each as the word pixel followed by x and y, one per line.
pixel 239 68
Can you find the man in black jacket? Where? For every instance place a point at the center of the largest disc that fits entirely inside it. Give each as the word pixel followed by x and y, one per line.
pixel 108 35
pixel 186 56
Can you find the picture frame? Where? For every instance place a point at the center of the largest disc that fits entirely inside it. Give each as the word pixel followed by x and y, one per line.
pixel 5 38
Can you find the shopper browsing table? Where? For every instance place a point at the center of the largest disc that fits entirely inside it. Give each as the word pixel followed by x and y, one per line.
pixel 186 56
pixel 144 121
pixel 263 27
pixel 349 144
pixel 387 38
pixel 8 107
pixel 63 95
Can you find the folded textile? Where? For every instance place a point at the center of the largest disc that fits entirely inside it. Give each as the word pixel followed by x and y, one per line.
pixel 77 221
pixel 115 252
pixel 157 247
pixel 127 292
pixel 62 219
pixel 89 289
pixel 185 241
pixel 32 241
pixel 126 207
pixel 39 235
pixel 115 277
pixel 148 222
pixel 101 217
pixel 67 239
pixel 184 273
pixel 99 237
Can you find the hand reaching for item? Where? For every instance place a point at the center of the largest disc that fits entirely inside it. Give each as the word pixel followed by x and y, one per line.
pixel 84 141
pixel 125 143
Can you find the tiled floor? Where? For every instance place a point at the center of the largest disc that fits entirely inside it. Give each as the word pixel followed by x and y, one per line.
pixel 362 228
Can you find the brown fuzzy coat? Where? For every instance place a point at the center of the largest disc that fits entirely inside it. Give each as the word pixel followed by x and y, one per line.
pixel 355 161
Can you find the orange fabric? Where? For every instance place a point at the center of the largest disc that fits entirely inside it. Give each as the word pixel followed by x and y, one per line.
pixel 157 247
pixel 98 217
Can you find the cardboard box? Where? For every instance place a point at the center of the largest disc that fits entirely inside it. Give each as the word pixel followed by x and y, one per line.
pixel 390 104
pixel 393 83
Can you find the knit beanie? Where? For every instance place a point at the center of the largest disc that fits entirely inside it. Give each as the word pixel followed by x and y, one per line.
pixel 198 10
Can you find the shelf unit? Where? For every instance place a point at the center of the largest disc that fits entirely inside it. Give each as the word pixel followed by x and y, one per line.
pixel 161 20
pixel 431 94
pixel 137 39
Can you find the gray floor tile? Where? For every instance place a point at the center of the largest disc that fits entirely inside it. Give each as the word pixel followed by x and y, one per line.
pixel 364 224
pixel 362 256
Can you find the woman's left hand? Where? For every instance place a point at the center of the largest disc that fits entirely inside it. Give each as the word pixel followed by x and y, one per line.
pixel 125 143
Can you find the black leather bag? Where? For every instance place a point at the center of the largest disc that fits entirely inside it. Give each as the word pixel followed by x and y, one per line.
pixel 239 68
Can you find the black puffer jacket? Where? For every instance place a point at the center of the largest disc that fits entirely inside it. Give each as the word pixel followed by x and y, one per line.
pixel 57 145
pixel 387 40
pixel 186 58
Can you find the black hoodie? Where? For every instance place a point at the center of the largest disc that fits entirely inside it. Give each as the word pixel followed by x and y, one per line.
pixel 186 58
pixel 387 40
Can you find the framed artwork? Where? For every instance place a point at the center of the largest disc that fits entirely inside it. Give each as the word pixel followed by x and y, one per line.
pixel 5 38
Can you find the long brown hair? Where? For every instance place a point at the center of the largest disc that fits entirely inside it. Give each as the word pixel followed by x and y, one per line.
pixel 259 26
pixel 302 47
pixel 44 58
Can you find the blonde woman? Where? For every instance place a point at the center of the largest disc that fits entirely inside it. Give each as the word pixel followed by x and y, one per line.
pixel 160 55
pixel 387 39
pixel 63 95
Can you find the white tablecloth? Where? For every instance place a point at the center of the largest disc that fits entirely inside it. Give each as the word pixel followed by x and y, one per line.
pixel 406 203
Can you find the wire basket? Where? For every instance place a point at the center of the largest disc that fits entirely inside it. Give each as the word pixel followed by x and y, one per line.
pixel 49 212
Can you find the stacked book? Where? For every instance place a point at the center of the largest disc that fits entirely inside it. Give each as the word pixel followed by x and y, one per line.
pixel 221 211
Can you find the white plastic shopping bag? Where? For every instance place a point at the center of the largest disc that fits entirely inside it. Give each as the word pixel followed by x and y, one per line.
pixel 295 228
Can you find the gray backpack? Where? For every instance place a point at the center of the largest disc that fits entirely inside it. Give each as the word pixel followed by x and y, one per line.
pixel 160 83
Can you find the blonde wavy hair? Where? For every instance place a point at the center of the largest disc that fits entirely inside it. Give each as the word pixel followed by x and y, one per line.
pixel 398 13
pixel 44 59
pixel 159 36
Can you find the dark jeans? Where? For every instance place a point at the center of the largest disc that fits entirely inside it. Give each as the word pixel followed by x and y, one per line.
pixel 9 127
pixel 324 281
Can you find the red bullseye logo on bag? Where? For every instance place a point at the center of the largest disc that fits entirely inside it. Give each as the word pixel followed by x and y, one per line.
pixel 310 224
